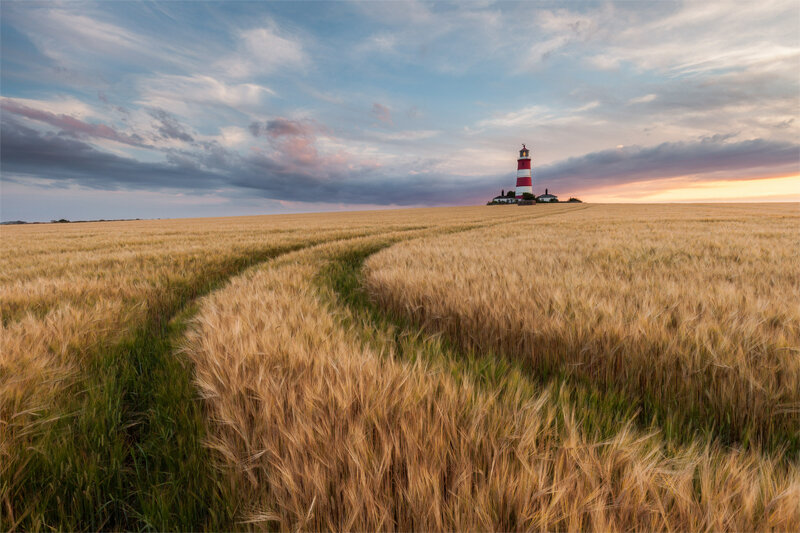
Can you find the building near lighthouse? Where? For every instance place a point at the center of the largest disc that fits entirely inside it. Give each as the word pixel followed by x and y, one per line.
pixel 547 197
pixel 524 182
pixel 504 198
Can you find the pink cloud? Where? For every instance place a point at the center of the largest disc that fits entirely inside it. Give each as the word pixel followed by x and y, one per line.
pixel 70 125
pixel 382 113
pixel 296 150
pixel 280 127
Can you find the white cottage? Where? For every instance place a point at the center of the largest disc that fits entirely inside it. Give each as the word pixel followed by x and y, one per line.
pixel 504 199
pixel 547 197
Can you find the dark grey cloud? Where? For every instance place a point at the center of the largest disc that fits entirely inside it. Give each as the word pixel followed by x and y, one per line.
pixel 712 154
pixel 168 127
pixel 255 128
pixel 282 127
pixel 268 178
pixel 64 159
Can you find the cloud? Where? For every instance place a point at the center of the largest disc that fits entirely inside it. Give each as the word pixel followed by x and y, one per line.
pixel 709 155
pixel 405 136
pixel 175 92
pixel 520 117
pixel 702 37
pixel 281 127
pixel 263 51
pixel 70 125
pixel 361 185
pixel 444 39
pixel 67 160
pixel 643 99
pixel 231 136
pixel 587 106
pixel 382 113
pixel 385 43
pixel 58 33
pixel 58 106
pixel 169 127
pixel 79 39
pixel 292 146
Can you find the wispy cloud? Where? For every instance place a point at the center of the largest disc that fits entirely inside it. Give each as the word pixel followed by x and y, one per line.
pixel 705 37
pixel 181 93
pixel 518 117
pixel 263 50
pixel 85 38
pixel 643 99
pixel 406 135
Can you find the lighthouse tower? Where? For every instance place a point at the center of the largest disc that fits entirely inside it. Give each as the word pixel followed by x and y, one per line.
pixel 524 183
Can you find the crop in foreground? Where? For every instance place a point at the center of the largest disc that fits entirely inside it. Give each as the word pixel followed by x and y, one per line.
pixel 405 395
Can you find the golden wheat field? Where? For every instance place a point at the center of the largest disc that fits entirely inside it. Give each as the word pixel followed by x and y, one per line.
pixel 504 368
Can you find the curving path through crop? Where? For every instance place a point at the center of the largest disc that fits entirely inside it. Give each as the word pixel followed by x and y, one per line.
pixel 126 451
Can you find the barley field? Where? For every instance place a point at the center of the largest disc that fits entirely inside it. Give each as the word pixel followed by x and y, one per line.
pixel 546 367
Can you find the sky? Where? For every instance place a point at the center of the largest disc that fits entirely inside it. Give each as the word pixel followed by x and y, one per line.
pixel 181 109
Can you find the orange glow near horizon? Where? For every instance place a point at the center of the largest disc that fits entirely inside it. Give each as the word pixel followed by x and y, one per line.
pixel 777 189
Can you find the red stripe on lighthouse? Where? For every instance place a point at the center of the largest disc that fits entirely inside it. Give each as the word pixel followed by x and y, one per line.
pixel 524 182
pixel 523 164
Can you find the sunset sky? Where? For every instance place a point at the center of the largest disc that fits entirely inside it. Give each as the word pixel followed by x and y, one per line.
pixel 125 110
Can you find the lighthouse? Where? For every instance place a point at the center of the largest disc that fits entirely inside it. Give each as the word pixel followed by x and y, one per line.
pixel 524 183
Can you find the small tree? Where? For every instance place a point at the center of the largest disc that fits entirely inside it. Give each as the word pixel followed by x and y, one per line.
pixel 528 196
pixel 510 194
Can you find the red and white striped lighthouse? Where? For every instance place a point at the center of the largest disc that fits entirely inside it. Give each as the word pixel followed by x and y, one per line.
pixel 524 183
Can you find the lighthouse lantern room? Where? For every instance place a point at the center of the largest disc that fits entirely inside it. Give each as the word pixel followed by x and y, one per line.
pixel 524 183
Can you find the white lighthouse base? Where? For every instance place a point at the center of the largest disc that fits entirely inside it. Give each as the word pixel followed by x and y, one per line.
pixel 521 190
